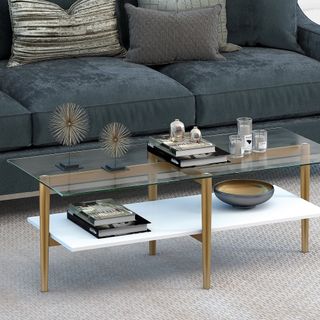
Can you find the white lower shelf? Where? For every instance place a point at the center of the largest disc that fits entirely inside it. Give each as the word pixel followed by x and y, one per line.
pixel 182 217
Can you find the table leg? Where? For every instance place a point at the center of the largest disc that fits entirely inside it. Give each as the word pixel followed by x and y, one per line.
pixel 44 235
pixel 305 193
pixel 152 195
pixel 206 208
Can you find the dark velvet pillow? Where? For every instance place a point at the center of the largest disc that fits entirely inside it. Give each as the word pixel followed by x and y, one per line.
pixel 5 25
pixel 269 23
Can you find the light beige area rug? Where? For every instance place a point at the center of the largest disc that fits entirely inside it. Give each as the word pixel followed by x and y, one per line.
pixel 258 273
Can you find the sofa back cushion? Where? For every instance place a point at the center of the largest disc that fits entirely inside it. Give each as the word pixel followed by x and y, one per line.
pixel 5 30
pixel 267 23
pixel 123 22
pixel 5 25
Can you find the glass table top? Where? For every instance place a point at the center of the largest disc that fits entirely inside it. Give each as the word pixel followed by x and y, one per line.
pixel 285 149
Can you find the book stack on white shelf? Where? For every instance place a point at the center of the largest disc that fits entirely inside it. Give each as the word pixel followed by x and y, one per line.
pixel 106 218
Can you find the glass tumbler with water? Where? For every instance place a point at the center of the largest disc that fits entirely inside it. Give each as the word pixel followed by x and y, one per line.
pixel 245 131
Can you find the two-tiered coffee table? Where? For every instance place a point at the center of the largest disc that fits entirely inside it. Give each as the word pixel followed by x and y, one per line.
pixel 184 216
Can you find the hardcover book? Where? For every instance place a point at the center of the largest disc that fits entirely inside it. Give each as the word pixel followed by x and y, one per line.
pixel 219 156
pixel 183 148
pixel 139 225
pixel 102 212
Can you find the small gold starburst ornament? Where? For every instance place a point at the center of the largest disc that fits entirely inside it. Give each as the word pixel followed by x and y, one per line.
pixel 69 125
pixel 115 140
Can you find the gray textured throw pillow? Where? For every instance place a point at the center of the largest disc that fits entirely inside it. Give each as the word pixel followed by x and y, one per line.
pixel 159 37
pixel 181 5
pixel 42 30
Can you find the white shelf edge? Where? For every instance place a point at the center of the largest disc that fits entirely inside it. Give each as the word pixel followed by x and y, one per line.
pixel 184 214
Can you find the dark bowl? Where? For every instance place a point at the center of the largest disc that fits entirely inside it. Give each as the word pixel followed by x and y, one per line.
pixel 244 193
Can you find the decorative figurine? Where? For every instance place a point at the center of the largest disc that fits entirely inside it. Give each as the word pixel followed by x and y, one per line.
pixel 115 139
pixel 177 131
pixel 195 135
pixel 69 125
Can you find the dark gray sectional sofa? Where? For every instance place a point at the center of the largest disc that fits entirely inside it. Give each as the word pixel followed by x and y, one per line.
pixel 275 87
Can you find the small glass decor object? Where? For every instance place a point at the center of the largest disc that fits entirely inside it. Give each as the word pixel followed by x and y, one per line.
pixel 115 140
pixel 260 141
pixel 69 125
pixel 245 131
pixel 177 131
pixel 195 135
pixel 236 146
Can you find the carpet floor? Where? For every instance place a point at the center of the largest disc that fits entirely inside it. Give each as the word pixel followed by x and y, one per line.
pixel 257 273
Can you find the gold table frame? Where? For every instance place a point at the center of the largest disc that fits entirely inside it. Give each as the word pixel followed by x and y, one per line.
pixel 206 209
pixel 44 204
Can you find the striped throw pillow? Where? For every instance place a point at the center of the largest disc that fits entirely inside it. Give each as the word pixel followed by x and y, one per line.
pixel 42 30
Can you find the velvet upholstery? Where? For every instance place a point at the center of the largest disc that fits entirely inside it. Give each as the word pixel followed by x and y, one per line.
pixel 15 124
pixel 109 88
pixel 5 25
pixel 269 23
pixel 5 30
pixel 123 23
pixel 308 35
pixel 258 82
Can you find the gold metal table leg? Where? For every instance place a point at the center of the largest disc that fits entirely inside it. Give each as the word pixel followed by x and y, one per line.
pixel 305 194
pixel 152 195
pixel 44 236
pixel 305 235
pixel 152 247
pixel 206 205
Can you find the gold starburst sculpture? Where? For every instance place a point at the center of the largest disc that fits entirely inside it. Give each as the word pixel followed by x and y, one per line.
pixel 69 124
pixel 115 139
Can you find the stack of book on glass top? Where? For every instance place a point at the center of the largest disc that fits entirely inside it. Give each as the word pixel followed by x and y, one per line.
pixel 106 218
pixel 186 153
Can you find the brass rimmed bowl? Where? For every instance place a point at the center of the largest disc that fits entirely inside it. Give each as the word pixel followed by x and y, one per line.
pixel 244 193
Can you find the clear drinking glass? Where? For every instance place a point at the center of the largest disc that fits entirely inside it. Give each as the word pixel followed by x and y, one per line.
pixel 245 131
pixel 260 140
pixel 236 146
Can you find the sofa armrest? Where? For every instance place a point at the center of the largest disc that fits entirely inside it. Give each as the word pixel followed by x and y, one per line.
pixel 308 35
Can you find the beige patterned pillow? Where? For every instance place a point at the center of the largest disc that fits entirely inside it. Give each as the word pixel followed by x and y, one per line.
pixel 180 5
pixel 43 30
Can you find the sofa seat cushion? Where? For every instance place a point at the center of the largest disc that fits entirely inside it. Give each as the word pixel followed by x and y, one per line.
pixel 110 89
pixel 258 82
pixel 15 124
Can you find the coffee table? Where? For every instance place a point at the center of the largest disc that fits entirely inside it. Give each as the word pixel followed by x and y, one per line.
pixel 184 216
